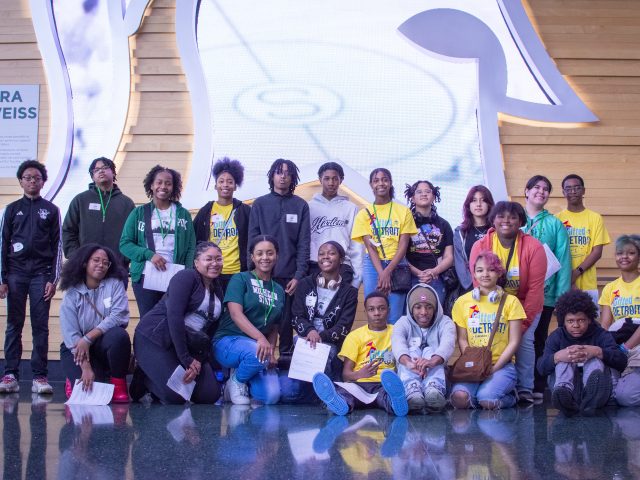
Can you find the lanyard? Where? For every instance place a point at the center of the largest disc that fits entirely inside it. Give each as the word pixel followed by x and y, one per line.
pixel 226 224
pixel 162 232
pixel 271 299
pixel 376 215
pixel 104 207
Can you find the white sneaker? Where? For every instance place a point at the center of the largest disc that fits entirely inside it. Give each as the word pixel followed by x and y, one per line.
pixel 415 399
pixel 41 385
pixel 9 384
pixel 236 391
pixel 434 397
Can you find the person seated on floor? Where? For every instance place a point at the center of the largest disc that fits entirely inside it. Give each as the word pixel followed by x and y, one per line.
pixel 369 363
pixel 94 315
pixel 324 307
pixel 178 330
pixel 579 357
pixel 422 343
pixel 246 339
pixel 474 314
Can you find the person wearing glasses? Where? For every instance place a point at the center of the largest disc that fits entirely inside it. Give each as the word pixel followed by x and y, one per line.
pixel 98 214
pixel 93 319
pixel 579 357
pixel 587 236
pixel 30 258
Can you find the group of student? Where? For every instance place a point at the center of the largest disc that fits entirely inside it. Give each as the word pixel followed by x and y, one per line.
pixel 255 275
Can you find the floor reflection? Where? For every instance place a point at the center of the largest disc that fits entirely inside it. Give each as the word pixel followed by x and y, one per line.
pixel 43 439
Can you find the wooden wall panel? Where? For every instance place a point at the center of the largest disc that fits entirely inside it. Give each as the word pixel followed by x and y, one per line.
pixel 595 44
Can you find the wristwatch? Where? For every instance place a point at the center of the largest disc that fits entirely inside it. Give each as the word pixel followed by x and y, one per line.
pixel 580 269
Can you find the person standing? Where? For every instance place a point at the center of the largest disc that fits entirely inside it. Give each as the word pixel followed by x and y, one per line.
pixel 30 260
pixel 284 216
pixel 225 221
pixel 331 217
pixel 587 236
pixel 98 214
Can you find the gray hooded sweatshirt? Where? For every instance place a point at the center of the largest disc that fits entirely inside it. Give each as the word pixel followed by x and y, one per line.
pixel 408 338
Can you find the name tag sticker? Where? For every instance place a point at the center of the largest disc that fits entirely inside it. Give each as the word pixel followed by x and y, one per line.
pixel 310 300
pixel 514 272
pixel 94 206
pixel 415 342
pixel 292 218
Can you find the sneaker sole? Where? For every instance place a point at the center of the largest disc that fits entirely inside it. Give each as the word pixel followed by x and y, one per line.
pixel 10 390
pixel 326 391
pixel 435 400
pixel 395 389
pixel 416 403
pixel 329 434
pixel 44 391
pixel 593 395
pixel 562 399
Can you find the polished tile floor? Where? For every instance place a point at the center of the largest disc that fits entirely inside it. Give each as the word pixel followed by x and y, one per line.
pixel 47 440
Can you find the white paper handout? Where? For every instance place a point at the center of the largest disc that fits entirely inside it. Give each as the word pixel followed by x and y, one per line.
pixel 307 361
pixel 96 414
pixel 100 394
pixel 178 425
pixel 301 444
pixel 357 391
pixel 155 279
pixel 175 383
pixel 553 265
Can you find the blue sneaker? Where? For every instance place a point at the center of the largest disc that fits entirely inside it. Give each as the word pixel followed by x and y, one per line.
pixel 395 390
pixel 326 391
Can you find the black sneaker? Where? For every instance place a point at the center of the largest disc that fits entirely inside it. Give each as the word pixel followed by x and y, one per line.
pixel 562 398
pixel 596 393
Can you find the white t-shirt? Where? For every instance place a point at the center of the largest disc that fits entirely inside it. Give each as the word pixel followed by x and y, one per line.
pixel 164 233
pixel 325 296
pixel 198 320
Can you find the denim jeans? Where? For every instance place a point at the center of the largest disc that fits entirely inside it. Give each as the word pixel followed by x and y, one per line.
pixel 239 352
pixel 526 358
pixel 21 286
pixel 370 282
pixel 497 388
pixel 434 375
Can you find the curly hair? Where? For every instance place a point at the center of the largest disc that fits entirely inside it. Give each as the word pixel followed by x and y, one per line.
pixel 575 301
pixel 410 191
pixel 74 271
pixel 276 167
pixel 232 167
pixel 392 190
pixel 509 208
pixel 106 162
pixel 151 176
pixel 32 164
pixel 492 261
pixel 467 217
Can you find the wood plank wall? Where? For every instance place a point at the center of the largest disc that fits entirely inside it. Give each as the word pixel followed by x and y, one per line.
pixel 595 43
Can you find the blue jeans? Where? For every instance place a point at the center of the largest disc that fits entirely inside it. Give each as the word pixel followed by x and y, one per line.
pixel 434 375
pixel 239 352
pixel 526 358
pixel 436 284
pixel 497 388
pixel 370 282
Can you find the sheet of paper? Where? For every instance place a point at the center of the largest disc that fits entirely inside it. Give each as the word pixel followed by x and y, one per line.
pixel 185 390
pixel 178 426
pixel 96 414
pixel 100 394
pixel 301 444
pixel 357 391
pixel 553 265
pixel 307 361
pixel 155 279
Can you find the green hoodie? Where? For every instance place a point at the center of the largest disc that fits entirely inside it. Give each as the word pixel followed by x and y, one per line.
pixel 133 242
pixel 547 229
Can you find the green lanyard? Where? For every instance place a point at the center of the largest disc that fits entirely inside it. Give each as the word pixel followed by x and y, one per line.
pixel 104 207
pixel 271 299
pixel 162 232
pixel 376 214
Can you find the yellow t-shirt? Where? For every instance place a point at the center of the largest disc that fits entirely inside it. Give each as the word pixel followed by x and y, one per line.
pixel 363 346
pixel 586 230
pixel 513 275
pixel 365 445
pixel 477 318
pixel 223 232
pixel 623 298
pixel 391 220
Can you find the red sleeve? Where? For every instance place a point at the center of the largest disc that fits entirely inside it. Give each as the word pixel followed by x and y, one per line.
pixel 537 264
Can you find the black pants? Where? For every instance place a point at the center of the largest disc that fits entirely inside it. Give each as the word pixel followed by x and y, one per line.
pixel 145 298
pixel 158 364
pixel 21 286
pixel 382 400
pixel 285 328
pixel 109 356
pixel 540 338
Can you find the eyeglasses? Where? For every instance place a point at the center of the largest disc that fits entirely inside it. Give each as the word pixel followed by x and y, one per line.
pixel 104 263
pixel 100 169
pixel 576 321
pixel 576 189
pixel 32 178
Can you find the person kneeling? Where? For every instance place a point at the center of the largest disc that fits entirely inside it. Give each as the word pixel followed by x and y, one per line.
pixel 422 342
pixel 365 351
pixel 578 357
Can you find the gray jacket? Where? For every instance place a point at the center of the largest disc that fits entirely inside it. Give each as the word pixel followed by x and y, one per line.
pixel 77 316
pixel 461 262
pixel 407 337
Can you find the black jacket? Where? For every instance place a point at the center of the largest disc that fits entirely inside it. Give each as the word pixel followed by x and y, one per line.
pixel 338 317
pixel 595 335
pixel 286 217
pixel 30 241
pixel 202 226
pixel 164 324
pixel 83 223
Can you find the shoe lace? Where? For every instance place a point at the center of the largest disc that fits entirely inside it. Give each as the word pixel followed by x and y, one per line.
pixel 413 388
